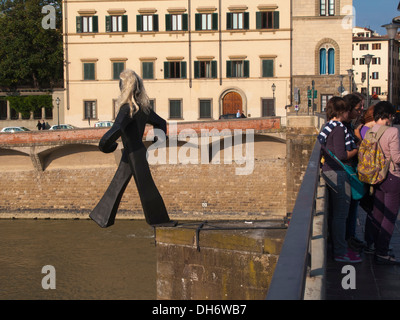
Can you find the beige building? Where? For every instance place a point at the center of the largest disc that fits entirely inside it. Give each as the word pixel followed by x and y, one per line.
pixel 203 59
pixel 365 41
pixel 321 51
pixel 199 59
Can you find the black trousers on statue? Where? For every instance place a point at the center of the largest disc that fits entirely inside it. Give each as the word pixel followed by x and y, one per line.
pixel 133 163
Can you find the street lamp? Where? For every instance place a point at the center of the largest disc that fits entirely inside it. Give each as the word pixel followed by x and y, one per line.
pixel 368 58
pixel 350 73
pixel 273 87
pixel 341 88
pixel 58 110
pixel 391 29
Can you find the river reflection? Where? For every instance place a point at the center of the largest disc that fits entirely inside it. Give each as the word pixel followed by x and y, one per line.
pixel 90 262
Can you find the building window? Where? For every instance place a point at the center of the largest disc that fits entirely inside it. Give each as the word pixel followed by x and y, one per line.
pixel 267 20
pixel 268 108
pixel 147 23
pixel 48 113
pixel 152 104
pixel 118 67
pixel 375 75
pixel 324 100
pixel 362 61
pixel 176 22
pixel 205 109
pixel 87 24
pixel 3 109
pixel 327 61
pixel 237 20
pixel 148 70
pixel 206 21
pixel 364 46
pixel 376 90
pixel 376 46
pixel 175 109
pixel 175 70
pixel 89 71
pixel 205 69
pixel 376 60
pixel 90 110
pixel 237 69
pixel 117 23
pixel 267 68
pixel 327 7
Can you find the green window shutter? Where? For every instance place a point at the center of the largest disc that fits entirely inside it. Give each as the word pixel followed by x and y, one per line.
pixel 108 23
pixel 166 70
pixel 258 20
pixel 246 68
pixel 268 68
pixel 197 18
pixel 215 21
pixel 147 70
pixel 276 19
pixel 79 24
pixel 196 69
pixel 214 69
pixel 124 23
pixel 155 22
pixel 95 20
pixel 183 69
pixel 229 20
pixel 185 22
pixel 139 23
pixel 118 67
pixel 88 71
pixel 246 20
pixel 229 69
pixel 168 25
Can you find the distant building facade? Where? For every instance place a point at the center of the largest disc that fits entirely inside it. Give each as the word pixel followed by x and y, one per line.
pixel 203 59
pixel 366 41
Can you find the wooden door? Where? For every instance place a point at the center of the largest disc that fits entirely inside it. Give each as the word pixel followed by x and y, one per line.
pixel 231 103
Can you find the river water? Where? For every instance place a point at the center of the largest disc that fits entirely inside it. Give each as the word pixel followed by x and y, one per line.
pixel 89 262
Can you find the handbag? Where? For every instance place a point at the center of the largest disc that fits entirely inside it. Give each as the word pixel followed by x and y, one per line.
pixel 358 188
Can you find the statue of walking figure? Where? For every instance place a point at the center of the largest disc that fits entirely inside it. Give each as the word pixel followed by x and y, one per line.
pixel 130 124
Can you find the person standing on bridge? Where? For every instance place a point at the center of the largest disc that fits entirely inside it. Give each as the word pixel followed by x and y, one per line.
pixel 387 193
pixel 355 104
pixel 335 138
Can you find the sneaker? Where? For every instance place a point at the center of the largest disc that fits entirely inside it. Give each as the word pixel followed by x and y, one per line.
pixel 349 257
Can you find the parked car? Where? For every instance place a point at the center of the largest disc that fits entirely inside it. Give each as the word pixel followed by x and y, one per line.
pixel 102 124
pixel 14 129
pixel 62 127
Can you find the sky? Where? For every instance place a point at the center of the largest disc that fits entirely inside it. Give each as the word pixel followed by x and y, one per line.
pixel 375 13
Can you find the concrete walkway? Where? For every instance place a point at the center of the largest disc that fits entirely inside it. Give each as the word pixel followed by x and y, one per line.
pixel 373 281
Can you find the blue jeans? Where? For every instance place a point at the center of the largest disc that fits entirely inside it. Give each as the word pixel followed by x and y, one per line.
pixel 339 191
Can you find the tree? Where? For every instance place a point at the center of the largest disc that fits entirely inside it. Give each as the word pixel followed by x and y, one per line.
pixel 29 54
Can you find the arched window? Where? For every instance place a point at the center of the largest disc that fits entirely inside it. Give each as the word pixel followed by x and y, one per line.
pixel 327 61
pixel 331 61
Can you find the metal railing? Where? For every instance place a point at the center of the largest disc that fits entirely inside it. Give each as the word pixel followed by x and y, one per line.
pixel 294 263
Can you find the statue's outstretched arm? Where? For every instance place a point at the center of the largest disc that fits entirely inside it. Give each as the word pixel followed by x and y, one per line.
pixel 108 142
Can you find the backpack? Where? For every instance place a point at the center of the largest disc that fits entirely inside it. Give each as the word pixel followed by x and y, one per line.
pixel 372 165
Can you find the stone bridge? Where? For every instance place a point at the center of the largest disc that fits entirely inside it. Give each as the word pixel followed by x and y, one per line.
pixel 44 146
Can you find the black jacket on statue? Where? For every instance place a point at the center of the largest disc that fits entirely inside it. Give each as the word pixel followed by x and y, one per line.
pixel 133 163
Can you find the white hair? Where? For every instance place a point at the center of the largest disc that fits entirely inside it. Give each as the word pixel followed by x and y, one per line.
pixel 131 85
